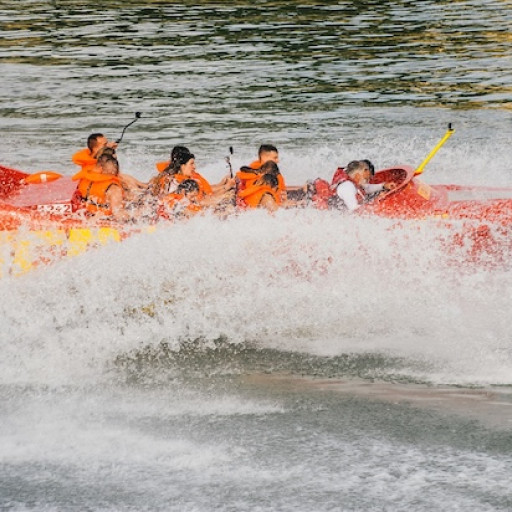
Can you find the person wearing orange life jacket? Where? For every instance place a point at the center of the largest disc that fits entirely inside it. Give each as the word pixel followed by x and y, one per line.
pixel 352 187
pixel 247 177
pixel 98 144
pixel 101 190
pixel 223 186
pixel 263 193
pixel 293 196
pixel 182 203
pixel 266 153
pixel 86 158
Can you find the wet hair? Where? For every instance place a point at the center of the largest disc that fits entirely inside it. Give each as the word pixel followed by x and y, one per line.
pixel 266 148
pixel 369 166
pixel 355 165
pixel 92 140
pixel 180 160
pixel 270 180
pixel 180 155
pixel 187 186
pixel 177 151
pixel 108 163
pixel 270 167
pixel 106 152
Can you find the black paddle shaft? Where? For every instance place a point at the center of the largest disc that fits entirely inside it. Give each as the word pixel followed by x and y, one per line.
pixel 137 116
pixel 228 161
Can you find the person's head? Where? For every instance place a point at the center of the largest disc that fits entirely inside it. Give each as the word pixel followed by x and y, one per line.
pixel 270 180
pixel 189 188
pixel 105 151
pixel 370 166
pixel 269 167
pixel 96 141
pixel 185 164
pixel 268 152
pixel 178 151
pixel 108 165
pixel 358 171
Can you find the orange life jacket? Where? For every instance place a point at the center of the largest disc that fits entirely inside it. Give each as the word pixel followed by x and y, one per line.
pixel 244 179
pixel 205 189
pixel 171 203
pixel 161 166
pixel 93 188
pixel 84 159
pixel 253 195
pixel 257 164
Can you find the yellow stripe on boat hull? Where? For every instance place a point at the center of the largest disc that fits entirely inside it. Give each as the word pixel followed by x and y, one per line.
pixel 22 251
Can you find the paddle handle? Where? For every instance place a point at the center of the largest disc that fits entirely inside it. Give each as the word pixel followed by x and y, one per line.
pixel 137 116
pixel 429 157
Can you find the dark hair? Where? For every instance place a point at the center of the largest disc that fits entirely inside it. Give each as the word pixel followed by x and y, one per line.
pixel 106 152
pixel 180 155
pixel 269 180
pixel 104 161
pixel 266 148
pixel 181 159
pixel 187 186
pixel 93 139
pixel 177 151
pixel 270 167
pixel 370 166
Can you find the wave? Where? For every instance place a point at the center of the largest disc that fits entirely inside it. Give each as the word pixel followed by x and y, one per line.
pixel 306 291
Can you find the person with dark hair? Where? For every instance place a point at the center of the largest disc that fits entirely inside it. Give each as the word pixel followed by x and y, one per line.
pixel 176 152
pixel 293 196
pixel 98 144
pixel 266 153
pixel 370 166
pixel 182 167
pixel 263 193
pixel 184 202
pixel 166 182
pixel 101 190
pixel 86 158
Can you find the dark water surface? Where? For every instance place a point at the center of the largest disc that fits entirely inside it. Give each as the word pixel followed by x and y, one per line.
pixel 211 71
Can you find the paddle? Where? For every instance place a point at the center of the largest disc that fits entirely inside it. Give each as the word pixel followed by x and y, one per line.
pixel 228 161
pixel 137 116
pixel 447 135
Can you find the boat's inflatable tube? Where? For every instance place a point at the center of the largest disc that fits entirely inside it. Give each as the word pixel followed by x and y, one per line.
pixel 42 177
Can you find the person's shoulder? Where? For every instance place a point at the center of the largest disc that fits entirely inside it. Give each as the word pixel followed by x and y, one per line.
pixel 161 166
pixel 255 165
pixel 346 185
pixel 83 156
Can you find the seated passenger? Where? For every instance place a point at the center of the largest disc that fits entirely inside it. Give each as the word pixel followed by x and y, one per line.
pixel 266 153
pixel 98 144
pixel 165 182
pixel 86 158
pixel 294 196
pixel 182 203
pixel 100 189
pixel 175 152
pixel 247 176
pixel 352 186
pixel 227 183
pixel 263 193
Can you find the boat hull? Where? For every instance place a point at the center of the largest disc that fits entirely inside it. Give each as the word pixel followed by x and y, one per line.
pixel 40 223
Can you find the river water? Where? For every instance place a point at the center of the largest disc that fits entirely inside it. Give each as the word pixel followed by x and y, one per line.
pixel 300 362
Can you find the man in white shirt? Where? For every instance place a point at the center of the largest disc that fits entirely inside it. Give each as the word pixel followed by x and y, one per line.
pixel 354 188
